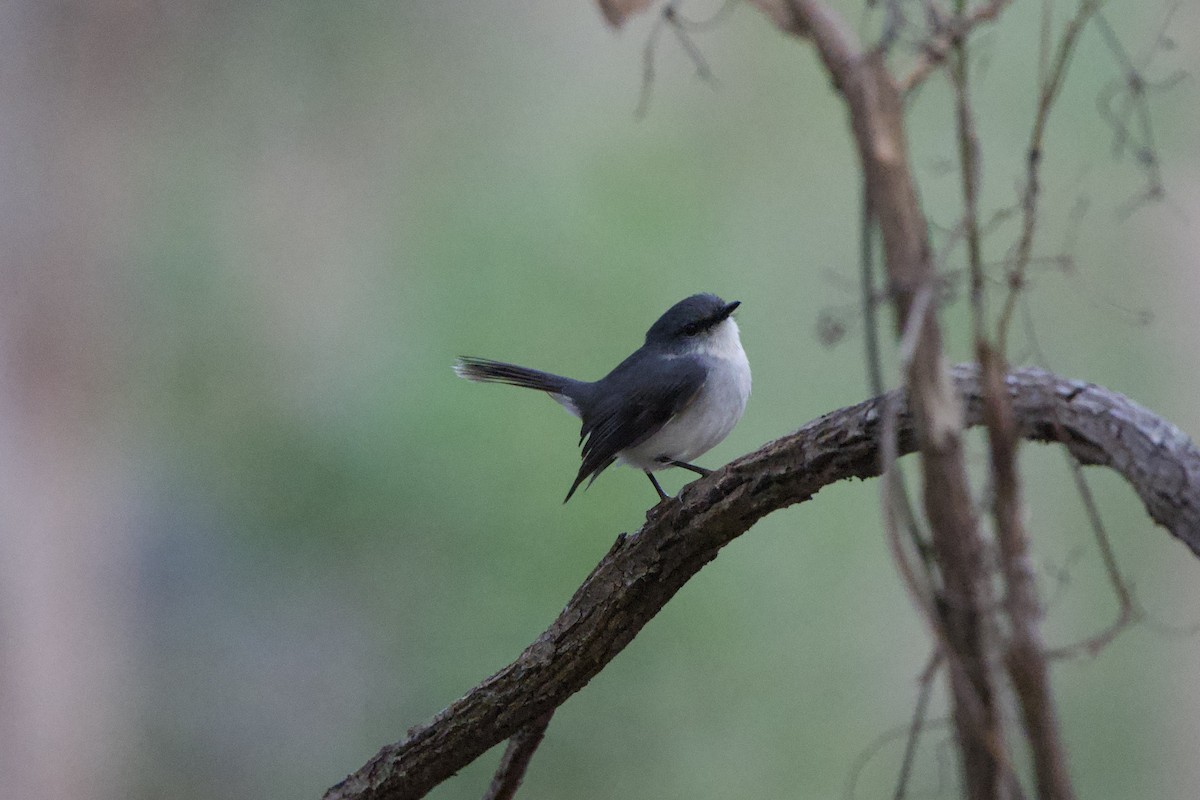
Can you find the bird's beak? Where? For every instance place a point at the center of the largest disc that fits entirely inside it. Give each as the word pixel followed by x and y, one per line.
pixel 729 309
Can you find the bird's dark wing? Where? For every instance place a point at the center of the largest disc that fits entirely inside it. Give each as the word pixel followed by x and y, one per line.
pixel 632 411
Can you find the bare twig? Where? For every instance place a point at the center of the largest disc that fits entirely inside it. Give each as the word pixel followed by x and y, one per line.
pixel 680 29
pixel 887 737
pixel 918 722
pixel 713 20
pixel 515 760
pixel 970 172
pixel 869 296
pixel 1051 84
pixel 911 733
pixel 897 511
pixel 670 18
pixel 1127 96
pixel 935 50
pixel 648 70
pixel 1024 655
pixel 1128 610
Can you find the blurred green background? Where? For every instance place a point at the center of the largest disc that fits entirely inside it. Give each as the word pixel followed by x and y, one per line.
pixel 254 527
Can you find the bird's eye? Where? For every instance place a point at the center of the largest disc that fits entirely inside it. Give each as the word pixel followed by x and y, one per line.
pixel 692 328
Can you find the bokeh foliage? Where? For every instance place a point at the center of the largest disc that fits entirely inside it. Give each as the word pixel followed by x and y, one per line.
pixel 339 537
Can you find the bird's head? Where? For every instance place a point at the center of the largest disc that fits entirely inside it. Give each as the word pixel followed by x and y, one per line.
pixel 699 322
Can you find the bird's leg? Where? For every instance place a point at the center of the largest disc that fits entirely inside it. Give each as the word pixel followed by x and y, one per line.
pixel 661 494
pixel 685 465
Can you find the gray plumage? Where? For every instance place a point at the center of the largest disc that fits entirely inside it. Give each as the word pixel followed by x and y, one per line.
pixel 670 401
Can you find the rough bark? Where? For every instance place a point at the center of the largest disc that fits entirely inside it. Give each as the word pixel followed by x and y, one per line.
pixel 642 571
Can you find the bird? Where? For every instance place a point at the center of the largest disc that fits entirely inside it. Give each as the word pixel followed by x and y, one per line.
pixel 670 402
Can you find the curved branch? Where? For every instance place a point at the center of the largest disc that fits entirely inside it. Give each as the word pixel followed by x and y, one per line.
pixel 643 571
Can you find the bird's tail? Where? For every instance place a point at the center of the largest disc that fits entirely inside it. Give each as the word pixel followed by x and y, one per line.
pixel 488 371
pixel 567 391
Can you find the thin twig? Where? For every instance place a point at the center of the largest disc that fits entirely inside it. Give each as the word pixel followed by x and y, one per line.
pixel 677 26
pixel 977 714
pixel 970 172
pixel 935 50
pixel 866 261
pixel 897 499
pixel 516 759
pixel 648 71
pixel 875 747
pixel 670 18
pixel 1132 88
pixel 1024 653
pixel 919 583
pixel 918 721
pixel 1128 610
pixel 1051 84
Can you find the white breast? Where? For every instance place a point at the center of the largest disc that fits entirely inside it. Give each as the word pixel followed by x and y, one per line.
pixel 711 416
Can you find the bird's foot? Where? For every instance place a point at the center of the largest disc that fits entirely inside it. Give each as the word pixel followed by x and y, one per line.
pixel 698 470
pixel 662 496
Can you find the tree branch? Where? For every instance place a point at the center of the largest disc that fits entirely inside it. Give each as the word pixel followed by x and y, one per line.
pixel 516 759
pixel 1024 652
pixel 641 572
pixel 940 44
pixel 876 108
